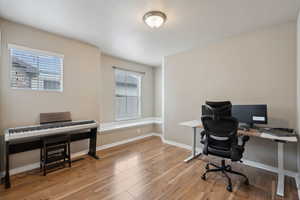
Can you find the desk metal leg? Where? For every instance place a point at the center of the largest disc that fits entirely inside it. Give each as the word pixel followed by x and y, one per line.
pixel 280 180
pixel 194 151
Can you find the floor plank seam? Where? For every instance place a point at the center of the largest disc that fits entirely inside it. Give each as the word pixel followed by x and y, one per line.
pixel 149 170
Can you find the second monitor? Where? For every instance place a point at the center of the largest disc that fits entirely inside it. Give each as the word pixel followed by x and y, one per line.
pixel 250 114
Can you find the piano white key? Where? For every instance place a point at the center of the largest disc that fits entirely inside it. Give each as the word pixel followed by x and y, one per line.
pixel 47 131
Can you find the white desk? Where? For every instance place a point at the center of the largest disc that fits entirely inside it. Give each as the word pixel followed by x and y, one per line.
pixel 254 133
pixel 192 124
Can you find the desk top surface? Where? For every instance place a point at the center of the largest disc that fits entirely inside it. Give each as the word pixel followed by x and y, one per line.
pixel 251 132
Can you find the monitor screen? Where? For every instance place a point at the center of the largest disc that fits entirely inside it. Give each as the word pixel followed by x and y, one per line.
pixel 250 114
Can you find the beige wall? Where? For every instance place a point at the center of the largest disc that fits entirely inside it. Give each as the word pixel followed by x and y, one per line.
pixel 108 85
pixel 158 97
pixel 158 91
pixel 107 98
pixel 1 21
pixel 298 87
pixel 80 80
pixel 253 68
pixel 125 134
pixel 88 88
pixel 81 83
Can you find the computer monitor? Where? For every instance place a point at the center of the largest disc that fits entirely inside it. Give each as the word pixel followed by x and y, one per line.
pixel 250 114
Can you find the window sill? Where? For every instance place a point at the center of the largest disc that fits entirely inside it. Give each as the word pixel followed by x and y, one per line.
pixel 128 119
pixel 37 90
pixel 110 126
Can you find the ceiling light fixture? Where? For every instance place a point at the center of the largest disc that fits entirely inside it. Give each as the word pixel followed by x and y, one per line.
pixel 155 19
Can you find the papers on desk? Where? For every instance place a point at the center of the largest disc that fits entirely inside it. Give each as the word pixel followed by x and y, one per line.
pixel 288 135
pixel 284 138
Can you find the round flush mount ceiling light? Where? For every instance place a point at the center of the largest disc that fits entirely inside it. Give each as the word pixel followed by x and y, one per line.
pixel 155 19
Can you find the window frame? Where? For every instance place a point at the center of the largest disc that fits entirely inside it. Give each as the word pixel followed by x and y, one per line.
pixel 139 116
pixel 37 52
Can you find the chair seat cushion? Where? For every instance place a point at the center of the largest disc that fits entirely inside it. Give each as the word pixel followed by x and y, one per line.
pixel 220 153
pixel 235 154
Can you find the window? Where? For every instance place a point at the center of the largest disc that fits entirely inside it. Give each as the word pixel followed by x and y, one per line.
pixel 127 94
pixel 35 70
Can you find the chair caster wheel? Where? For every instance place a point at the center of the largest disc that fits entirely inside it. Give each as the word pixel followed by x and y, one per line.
pixel 203 177
pixel 229 188
pixel 247 182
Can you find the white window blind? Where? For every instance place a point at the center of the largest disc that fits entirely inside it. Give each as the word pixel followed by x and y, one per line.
pixel 127 94
pixel 36 70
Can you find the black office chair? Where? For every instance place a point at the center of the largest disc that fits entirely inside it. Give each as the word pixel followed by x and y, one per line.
pixel 220 138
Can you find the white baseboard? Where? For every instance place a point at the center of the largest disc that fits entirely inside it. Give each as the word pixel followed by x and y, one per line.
pixel 250 163
pixel 106 146
pixel 298 181
pixel 157 134
pixel 246 162
pixel 297 178
pixel 184 146
pixel 37 165
pixel 77 154
pixel 269 168
pixel 24 168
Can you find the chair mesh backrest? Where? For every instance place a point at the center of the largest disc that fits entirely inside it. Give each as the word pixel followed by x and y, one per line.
pixel 220 127
pixel 217 109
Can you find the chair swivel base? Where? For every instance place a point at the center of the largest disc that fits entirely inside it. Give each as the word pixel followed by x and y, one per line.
pixel 224 169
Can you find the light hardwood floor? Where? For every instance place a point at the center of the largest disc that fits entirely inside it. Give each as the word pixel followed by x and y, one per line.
pixel 142 170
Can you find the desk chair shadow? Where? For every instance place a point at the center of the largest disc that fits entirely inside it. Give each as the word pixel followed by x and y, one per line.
pixel 220 138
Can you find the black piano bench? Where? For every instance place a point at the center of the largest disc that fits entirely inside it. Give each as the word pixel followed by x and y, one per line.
pixel 55 152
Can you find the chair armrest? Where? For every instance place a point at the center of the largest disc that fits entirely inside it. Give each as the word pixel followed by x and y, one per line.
pixel 204 141
pixel 202 134
pixel 244 138
pixel 237 150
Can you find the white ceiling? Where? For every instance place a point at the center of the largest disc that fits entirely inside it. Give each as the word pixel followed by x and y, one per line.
pixel 116 26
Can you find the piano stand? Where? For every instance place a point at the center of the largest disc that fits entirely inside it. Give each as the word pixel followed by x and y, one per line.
pixel 93 144
pixel 76 160
pixel 7 183
pixel 94 156
pixel 12 148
